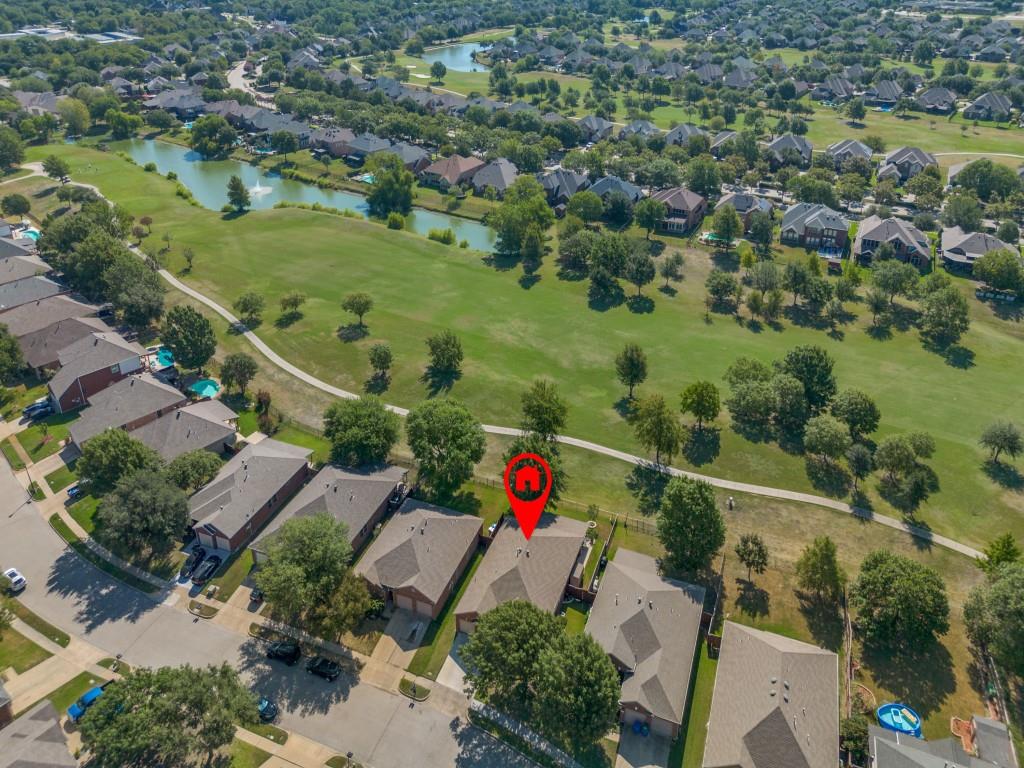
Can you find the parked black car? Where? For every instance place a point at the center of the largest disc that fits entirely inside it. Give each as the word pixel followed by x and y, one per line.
pixel 287 652
pixel 30 411
pixel 40 413
pixel 323 667
pixel 267 710
pixel 205 571
pixel 256 596
pixel 193 561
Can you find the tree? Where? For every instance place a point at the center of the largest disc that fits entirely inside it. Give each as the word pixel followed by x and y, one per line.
pixel 238 370
pixel 1009 232
pixel 945 316
pixel 358 304
pixel 811 366
pixel 765 276
pixel 656 427
pixel 631 367
pixel 284 143
pixel 827 437
pixel 15 205
pixel 790 408
pixel 12 148
pixel 962 210
pixel 571 664
pixel 437 71
pixel 75 116
pixel 544 410
pixel 380 359
pixel 524 208
pixel 111 455
pixel 701 399
pixel 618 208
pixel 238 194
pixel 727 226
pixel 818 571
pixel 762 231
pixel 858 411
pixel 753 553
pixel 1002 437
pixel 134 289
pixel 999 552
pixel 585 205
pixel 795 278
pixel 531 442
pixel 190 336
pixel 145 513
pixel 168 716
pixel 886 585
pixel 250 306
pixel 1001 269
pixel 11 359
pixel 123 125
pixel 212 137
pixel 291 302
pixel 361 431
pixel 672 267
pixel 191 471
pixel 855 109
pixel 445 351
pixel 648 213
pixel 853 731
pixel 877 303
pixel 639 269
pixel 56 167
pixel 721 286
pixel 994 615
pixel 861 461
pixel 446 441
pixel 751 405
pixel 391 191
pixel 690 527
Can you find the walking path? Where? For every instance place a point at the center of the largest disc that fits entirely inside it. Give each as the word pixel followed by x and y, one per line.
pixel 729 485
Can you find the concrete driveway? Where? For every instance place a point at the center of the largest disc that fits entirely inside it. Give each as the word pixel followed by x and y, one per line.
pixel 637 751
pixel 453 673
pixel 402 637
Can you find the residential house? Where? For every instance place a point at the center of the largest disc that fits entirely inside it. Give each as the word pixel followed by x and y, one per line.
pixel 497 175
pixel 32 317
pixel 41 348
pixel 989 106
pixel 208 425
pixel 741 79
pixel 28 290
pixel 420 555
pixel 685 209
pixel 813 225
pixel 606 185
pixel 536 570
pixel 127 404
pixel 451 171
pixel 561 184
pixel 413 158
pixel 365 144
pixel 185 102
pixel 90 365
pixel 848 149
pixel 789 146
pixel 645 129
pixel 884 93
pixel 11 246
pixel 359 498
pixel 903 164
pixel 38 103
pixel 745 205
pixel 649 625
pixel 595 128
pixel 719 142
pixel 681 134
pixel 908 242
pixel 959 250
pixel 986 743
pixel 937 99
pixel 335 141
pixel 833 88
pixel 248 490
pixel 16 268
pixel 36 740
pixel 775 703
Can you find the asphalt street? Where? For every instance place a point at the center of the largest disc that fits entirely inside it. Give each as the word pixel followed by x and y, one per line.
pixel 381 729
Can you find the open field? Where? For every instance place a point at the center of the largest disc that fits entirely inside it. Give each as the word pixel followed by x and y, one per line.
pixel 548 330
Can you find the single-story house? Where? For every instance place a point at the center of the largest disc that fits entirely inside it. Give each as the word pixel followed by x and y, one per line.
pixel 126 404
pixel 989 106
pixel 359 498
pixel 90 365
pixel 41 348
pixel 883 93
pixel 937 99
pixel 905 163
pixel 536 570
pixel 776 702
pixel 790 145
pixel 908 242
pixel 813 225
pixel 247 491
pixel 959 249
pixel 990 740
pixel 451 171
pixel 685 209
pixel 498 175
pixel 848 149
pixel 607 185
pixel 28 290
pixel 37 315
pixel 745 205
pixel 596 128
pixel 649 625
pixel 208 425
pixel 36 740
pixel 561 184
pixel 17 268
pixel 417 559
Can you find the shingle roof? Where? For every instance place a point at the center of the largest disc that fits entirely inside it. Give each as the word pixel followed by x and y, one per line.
pixel 776 703
pixel 42 346
pixel 849 148
pixel 965 247
pixel 890 749
pixel 649 625
pixel 798 144
pixel 247 482
pixel 16 247
pixel 420 548
pixel 350 496
pixel 36 740
pixel 744 203
pixel 39 314
pixel 678 198
pixel 452 167
pixel 681 133
pixel 20 267
pixel 910 155
pixel 608 184
pixel 27 290
pixel 498 174
pixel 193 427
pixel 887 230
pixel 562 182
pixel 91 353
pixel 516 569
pixel 816 215
pixel 124 401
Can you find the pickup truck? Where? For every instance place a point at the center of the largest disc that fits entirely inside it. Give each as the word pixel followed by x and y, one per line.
pixel 76 710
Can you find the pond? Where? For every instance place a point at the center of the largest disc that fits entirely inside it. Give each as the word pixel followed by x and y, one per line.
pixel 208 181
pixel 458 57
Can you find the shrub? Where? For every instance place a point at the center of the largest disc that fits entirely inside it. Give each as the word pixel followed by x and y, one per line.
pixel 149 167
pixel 227 208
pixel 396 220
pixel 172 176
pixel 464 244
pixel 446 236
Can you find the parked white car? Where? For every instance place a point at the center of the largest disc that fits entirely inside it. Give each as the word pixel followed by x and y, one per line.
pixel 18 582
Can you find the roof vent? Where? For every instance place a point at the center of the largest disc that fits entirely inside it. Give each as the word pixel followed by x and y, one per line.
pixel 616 598
pixel 785 684
pixel 774 680
pixel 519 551
pixel 650 604
pixel 527 553
pixel 785 698
pixel 771 692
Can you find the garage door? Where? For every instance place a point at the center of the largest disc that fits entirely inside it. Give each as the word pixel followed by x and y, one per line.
pixel 404 601
pixel 424 609
pixel 630 716
pixel 467 626
pixel 662 728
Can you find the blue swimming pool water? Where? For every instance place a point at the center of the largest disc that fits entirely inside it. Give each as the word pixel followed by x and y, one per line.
pixel 205 388
pixel 899 718
pixel 164 357
pixel 32 233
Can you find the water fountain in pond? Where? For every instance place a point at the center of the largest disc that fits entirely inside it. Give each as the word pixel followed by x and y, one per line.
pixel 259 189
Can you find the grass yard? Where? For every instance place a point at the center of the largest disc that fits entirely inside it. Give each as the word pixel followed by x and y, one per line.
pixel 267 731
pixel 67 694
pixel 233 574
pixel 40 191
pixel 245 755
pixel 688 749
pixel 14 398
pixel 62 478
pixel 575 619
pixel 364 638
pixel 11 454
pixel 296 434
pixel 548 330
pixel 44 437
pixel 19 652
pixel 44 628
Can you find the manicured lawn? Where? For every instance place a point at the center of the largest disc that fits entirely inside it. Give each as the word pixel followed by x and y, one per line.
pixel 19 652
pixel 268 731
pixel 84 511
pixel 39 445
pixel 42 627
pixel 41 193
pixel 247 422
pixel 575 619
pixel 296 434
pixel 364 638
pixel 688 749
pixel 233 574
pixel 11 455
pixel 62 478
pixel 430 656
pixel 67 694
pixel 245 755
pixel 13 399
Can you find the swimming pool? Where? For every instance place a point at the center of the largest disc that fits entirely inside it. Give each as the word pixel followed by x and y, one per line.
pixel 205 388
pixel 31 233
pixel 899 718
pixel 164 357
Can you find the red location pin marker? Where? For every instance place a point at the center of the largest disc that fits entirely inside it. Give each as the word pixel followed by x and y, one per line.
pixel 527 491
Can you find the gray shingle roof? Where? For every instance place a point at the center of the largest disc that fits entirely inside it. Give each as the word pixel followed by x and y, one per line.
pixel 887 230
pixel 848 148
pixel 15 247
pixel 20 267
pixel 124 401
pixel 498 174
pixel 894 750
pixel 41 347
pixel 649 625
pixel 516 569
pixel 91 353
pixel 420 549
pixel 193 427
pixel 350 496
pixel 39 314
pixel 816 215
pixel 606 185
pixel 36 740
pixel 965 247
pixel 27 290
pixel 247 482
pixel 776 703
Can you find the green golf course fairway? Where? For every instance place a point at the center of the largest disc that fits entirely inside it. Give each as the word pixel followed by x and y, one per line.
pixel 513 335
